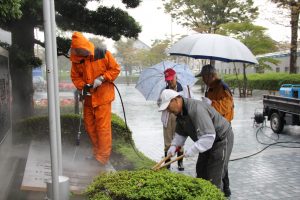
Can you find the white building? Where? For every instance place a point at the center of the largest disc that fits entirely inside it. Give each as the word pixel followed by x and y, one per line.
pixel 283 66
pixel 284 61
pixel 138 44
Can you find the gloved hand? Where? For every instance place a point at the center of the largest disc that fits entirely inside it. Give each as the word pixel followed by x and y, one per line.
pixel 191 151
pixel 86 89
pixel 206 100
pixel 98 81
pixel 172 150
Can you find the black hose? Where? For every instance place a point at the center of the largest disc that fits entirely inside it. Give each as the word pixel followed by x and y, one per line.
pixel 122 106
pixel 137 153
pixel 276 143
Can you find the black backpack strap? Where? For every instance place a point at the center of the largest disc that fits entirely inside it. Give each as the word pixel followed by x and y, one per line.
pixel 99 53
pixel 226 87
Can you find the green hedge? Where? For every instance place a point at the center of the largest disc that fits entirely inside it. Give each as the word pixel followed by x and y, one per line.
pixel 268 81
pixel 38 126
pixel 151 185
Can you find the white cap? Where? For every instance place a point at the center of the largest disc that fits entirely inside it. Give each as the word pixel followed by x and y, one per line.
pixel 166 96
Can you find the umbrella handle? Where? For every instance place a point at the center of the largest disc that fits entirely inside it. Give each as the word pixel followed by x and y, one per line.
pixel 188 87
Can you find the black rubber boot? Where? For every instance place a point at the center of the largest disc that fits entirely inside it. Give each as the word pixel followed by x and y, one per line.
pixel 226 188
pixel 180 162
pixel 168 160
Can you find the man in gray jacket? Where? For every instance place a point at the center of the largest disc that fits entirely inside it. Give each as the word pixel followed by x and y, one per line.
pixel 206 127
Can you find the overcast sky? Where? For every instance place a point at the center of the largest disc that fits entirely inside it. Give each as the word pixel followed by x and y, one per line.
pixel 157 25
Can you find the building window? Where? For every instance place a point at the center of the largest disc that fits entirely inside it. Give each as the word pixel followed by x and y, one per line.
pixel 277 69
pixel 286 69
pixel 225 71
pixel 229 71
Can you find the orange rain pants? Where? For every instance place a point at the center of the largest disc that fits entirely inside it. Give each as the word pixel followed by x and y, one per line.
pixel 98 125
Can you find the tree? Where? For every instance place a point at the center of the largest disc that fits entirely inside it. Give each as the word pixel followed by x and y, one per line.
pixel 137 58
pixel 206 15
pixel 98 42
pixel 70 16
pixel 157 52
pixel 255 38
pixel 9 10
pixel 294 7
pixel 126 54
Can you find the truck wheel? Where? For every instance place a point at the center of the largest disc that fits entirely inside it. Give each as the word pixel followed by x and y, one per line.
pixel 276 123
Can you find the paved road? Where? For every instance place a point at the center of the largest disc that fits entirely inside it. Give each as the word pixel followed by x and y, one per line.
pixel 272 174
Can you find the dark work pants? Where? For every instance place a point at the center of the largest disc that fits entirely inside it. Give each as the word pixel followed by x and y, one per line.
pixel 210 164
pixel 225 179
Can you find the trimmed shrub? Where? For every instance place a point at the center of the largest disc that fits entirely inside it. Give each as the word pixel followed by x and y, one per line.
pixel 269 81
pixel 38 126
pixel 151 185
pixel 69 124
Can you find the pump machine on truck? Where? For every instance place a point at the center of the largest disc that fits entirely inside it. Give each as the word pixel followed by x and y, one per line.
pixel 283 109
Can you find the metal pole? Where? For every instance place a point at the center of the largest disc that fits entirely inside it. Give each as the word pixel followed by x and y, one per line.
pixel 56 91
pixel 51 100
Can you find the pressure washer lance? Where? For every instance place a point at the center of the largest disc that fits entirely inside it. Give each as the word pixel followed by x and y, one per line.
pixel 84 92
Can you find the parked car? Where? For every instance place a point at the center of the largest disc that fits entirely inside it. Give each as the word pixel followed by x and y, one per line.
pixel 39 83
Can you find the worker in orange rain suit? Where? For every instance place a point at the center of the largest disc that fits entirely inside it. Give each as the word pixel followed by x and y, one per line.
pixel 219 96
pixel 87 70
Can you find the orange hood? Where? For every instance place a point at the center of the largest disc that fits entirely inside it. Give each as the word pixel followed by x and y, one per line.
pixel 79 41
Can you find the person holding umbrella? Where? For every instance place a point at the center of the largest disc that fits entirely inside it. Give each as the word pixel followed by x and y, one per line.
pixel 93 70
pixel 169 119
pixel 209 130
pixel 219 96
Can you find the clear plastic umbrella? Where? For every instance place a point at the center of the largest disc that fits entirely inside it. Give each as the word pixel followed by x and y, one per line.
pixel 213 47
pixel 152 80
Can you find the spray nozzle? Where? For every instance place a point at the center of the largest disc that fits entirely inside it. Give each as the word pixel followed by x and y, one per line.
pixel 86 90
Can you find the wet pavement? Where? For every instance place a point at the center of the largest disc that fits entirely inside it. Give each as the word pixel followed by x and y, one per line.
pixel 272 174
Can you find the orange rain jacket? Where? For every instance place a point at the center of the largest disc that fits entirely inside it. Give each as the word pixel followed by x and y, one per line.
pixel 85 70
pixel 222 100
pixel 97 107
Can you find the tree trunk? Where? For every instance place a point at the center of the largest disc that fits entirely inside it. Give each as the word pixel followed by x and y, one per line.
pixel 294 37
pixel 21 71
pixel 244 80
